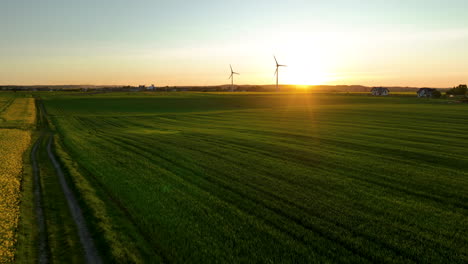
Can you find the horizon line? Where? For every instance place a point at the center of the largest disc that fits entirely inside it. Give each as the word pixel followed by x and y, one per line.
pixel 218 85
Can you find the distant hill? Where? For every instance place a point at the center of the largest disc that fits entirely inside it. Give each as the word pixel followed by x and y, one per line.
pixel 226 87
pixel 348 88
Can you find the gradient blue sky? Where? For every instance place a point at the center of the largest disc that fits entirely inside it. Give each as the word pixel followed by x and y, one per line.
pixel 370 42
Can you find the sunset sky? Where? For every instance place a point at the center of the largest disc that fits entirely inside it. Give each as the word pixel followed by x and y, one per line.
pixel 368 42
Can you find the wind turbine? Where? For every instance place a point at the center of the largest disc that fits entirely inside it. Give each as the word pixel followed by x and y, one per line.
pixel 277 72
pixel 232 77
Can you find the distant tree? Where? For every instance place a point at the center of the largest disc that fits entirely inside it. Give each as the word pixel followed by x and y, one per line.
pixel 436 94
pixel 459 90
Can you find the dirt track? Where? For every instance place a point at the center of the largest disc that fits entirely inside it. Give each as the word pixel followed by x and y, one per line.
pixel 86 239
pixel 43 255
pixel 87 242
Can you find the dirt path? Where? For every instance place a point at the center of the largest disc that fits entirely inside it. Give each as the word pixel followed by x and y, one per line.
pixel 87 242
pixel 43 255
pixel 86 239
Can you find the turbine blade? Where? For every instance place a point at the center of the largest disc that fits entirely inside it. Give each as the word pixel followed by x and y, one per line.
pixel 275 60
pixel 231 67
pixel 230 76
pixel 276 72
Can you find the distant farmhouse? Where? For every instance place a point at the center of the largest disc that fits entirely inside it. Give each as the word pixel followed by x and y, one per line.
pixel 380 91
pixel 425 92
pixel 151 88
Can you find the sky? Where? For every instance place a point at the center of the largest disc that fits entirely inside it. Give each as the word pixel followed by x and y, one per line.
pixel 174 42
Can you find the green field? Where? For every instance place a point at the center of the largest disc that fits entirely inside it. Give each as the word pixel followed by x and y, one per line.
pixel 194 177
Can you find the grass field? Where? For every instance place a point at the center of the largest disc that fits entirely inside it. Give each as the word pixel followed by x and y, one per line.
pixel 269 177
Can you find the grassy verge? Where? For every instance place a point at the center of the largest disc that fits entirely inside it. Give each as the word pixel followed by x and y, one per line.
pixel 27 232
pixel 26 248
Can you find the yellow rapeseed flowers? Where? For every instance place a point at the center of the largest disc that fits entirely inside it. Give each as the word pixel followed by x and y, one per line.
pixel 22 110
pixel 13 143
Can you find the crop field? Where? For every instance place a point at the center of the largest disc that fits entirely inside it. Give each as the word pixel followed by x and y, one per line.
pixel 292 177
pixel 17 112
pixel 13 144
pixel 4 104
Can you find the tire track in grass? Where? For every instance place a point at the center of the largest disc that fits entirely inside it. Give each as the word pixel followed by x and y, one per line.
pixel 301 223
pixel 394 184
pixel 346 247
pixel 6 105
pixel 86 239
pixel 218 197
pixel 43 247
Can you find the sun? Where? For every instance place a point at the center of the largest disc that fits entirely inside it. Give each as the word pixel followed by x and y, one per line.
pixel 309 60
pixel 305 69
pixel 305 75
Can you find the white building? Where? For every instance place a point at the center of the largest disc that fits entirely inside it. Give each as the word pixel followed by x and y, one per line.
pixel 425 92
pixel 380 91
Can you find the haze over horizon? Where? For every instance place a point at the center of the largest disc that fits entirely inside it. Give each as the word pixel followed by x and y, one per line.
pixel 389 43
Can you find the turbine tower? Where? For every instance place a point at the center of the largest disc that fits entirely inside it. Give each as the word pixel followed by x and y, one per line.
pixel 232 77
pixel 277 72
